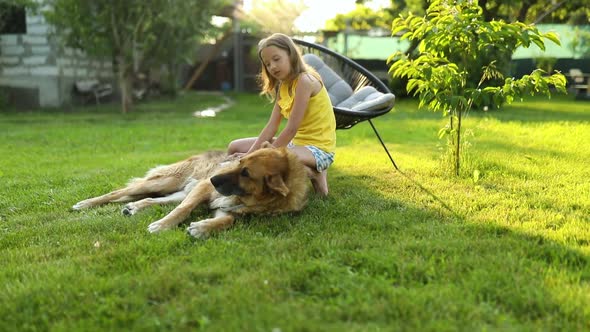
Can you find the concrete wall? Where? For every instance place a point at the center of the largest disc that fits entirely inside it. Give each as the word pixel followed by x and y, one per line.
pixel 35 64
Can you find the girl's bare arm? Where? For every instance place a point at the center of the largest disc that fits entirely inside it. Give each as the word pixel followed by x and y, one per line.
pixel 269 130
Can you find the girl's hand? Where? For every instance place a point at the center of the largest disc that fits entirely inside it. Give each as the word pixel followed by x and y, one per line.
pixel 237 156
pixel 267 145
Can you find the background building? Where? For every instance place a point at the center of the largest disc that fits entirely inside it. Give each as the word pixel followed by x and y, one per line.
pixel 36 70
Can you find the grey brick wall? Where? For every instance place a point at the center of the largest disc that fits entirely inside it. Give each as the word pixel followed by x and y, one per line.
pixel 36 61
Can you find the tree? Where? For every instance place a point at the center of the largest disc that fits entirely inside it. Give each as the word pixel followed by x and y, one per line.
pixel 534 11
pixel 453 37
pixel 271 16
pixel 527 11
pixel 580 45
pixel 361 18
pixel 134 32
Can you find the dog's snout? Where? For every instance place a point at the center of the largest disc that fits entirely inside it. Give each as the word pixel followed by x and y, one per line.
pixel 226 184
pixel 216 180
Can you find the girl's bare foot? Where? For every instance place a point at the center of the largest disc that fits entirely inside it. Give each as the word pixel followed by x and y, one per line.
pixel 319 181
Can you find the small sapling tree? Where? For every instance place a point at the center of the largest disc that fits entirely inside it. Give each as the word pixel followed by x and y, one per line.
pixel 456 42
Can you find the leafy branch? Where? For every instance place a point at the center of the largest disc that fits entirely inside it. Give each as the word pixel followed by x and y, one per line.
pixel 456 42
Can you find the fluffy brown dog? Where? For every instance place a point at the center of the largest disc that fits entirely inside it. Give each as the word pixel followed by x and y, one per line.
pixel 267 181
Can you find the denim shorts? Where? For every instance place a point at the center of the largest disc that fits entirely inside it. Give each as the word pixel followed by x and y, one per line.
pixel 323 159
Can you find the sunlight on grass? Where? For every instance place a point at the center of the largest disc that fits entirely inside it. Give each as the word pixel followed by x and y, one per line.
pixel 506 249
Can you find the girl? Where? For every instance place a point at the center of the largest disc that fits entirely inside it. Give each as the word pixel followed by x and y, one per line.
pixel 300 97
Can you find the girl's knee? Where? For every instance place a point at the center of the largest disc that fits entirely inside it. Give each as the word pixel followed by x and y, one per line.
pixel 241 145
pixel 232 148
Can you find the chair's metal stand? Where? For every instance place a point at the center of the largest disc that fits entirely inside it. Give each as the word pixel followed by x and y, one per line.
pixel 383 144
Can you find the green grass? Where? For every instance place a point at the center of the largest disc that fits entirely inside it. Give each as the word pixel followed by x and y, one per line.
pixel 380 254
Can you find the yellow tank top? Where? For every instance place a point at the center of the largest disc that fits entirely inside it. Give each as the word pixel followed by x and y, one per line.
pixel 318 127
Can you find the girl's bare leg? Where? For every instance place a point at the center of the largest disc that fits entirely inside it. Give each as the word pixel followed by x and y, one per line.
pixel 241 145
pixel 318 179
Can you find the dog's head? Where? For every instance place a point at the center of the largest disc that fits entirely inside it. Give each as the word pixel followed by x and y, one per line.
pixel 261 175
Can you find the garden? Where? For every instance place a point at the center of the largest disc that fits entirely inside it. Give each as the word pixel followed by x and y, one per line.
pixel 484 226
pixel 505 246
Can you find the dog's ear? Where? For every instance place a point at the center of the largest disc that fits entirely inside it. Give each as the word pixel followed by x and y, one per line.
pixel 267 145
pixel 276 183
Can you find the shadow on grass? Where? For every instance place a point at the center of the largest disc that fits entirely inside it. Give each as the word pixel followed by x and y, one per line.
pixel 410 257
pixel 378 250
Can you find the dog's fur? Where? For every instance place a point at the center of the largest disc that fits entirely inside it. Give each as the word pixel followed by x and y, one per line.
pixel 267 181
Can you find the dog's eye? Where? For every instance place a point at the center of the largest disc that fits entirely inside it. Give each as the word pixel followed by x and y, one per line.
pixel 245 173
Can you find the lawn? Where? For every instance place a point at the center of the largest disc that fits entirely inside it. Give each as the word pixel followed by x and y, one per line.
pixel 504 247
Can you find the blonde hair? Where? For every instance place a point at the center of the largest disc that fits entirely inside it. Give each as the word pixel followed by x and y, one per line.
pixel 268 83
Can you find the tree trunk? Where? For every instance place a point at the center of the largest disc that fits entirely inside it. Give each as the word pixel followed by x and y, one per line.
pixel 172 78
pixel 458 144
pixel 125 85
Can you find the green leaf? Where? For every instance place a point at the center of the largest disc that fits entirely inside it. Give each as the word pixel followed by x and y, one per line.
pixel 539 43
pixel 552 36
pixel 412 84
pixel 443 132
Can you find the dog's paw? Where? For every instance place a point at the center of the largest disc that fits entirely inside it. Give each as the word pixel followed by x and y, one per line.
pixel 199 229
pixel 81 205
pixel 157 226
pixel 129 210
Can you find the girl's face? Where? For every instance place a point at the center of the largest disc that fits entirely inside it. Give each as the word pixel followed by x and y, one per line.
pixel 276 61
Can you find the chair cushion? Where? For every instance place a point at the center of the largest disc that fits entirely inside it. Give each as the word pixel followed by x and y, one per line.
pixel 368 99
pixel 338 89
